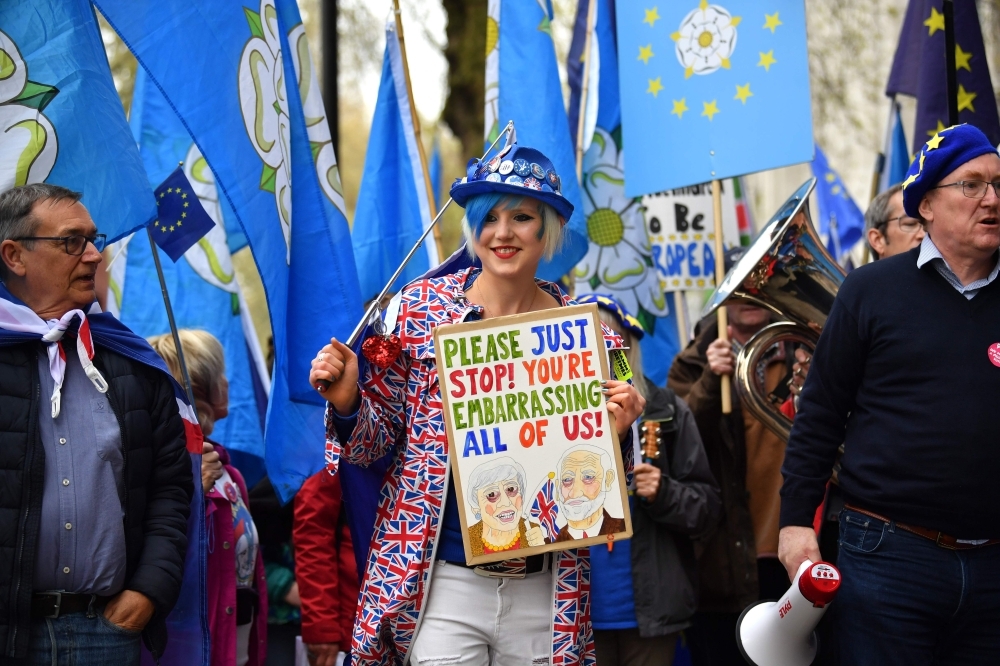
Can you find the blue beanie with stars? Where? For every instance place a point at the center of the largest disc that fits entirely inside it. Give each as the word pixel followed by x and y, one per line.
pixel 943 153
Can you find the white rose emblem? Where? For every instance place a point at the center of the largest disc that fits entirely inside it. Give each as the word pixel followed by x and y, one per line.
pixel 706 39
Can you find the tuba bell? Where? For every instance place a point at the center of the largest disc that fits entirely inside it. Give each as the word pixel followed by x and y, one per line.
pixel 787 271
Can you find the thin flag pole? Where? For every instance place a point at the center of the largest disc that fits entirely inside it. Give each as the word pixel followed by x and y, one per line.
pixel 377 301
pixel 431 196
pixel 949 57
pixel 170 318
pixel 682 326
pixel 720 274
pixel 584 86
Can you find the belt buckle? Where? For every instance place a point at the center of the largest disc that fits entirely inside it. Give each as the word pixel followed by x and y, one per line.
pixel 58 604
pixel 486 573
pixel 937 542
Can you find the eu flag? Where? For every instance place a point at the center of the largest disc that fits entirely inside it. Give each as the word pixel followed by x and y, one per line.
pixel 919 70
pixel 841 222
pixel 734 80
pixel 181 221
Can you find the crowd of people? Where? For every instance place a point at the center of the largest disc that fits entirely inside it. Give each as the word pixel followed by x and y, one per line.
pixel 97 485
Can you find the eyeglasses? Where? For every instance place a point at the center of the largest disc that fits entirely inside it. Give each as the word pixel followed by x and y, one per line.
pixel 75 245
pixel 974 189
pixel 907 224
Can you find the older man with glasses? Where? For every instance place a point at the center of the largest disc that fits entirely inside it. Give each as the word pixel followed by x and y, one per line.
pixel 907 375
pixel 96 481
pixel 888 228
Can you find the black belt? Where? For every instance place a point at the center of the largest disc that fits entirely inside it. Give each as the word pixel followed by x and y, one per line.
pixel 532 564
pixel 53 604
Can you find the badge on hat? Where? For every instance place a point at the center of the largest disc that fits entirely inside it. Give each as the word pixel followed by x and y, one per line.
pixel 522 168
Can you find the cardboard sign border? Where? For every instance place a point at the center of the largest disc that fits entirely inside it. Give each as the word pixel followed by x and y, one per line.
pixel 591 311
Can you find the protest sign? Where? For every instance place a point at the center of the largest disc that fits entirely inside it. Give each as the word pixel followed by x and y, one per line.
pixel 682 236
pixel 534 452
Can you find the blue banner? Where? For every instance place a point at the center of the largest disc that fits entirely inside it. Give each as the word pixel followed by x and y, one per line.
pixel 239 77
pixel 726 86
pixel 393 208
pixel 519 49
pixel 619 258
pixel 60 116
pixel 897 157
pixel 919 70
pixel 841 222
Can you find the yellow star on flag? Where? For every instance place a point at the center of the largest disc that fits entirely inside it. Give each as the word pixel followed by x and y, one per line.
pixel 185 204
pixel 935 142
pixel 830 177
pixel 710 109
pixel 835 189
pixel 184 196
pixel 163 194
pixel 743 92
pixel 183 215
pixel 169 190
pixel 178 223
pixel 934 22
pixel 962 59
pixel 645 53
pixel 171 227
pixel 654 86
pixel 652 16
pixel 940 126
pixel 771 21
pixel 766 60
pixel 680 106
pixel 965 99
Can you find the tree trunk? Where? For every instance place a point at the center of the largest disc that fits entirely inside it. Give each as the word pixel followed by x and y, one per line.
pixel 466 55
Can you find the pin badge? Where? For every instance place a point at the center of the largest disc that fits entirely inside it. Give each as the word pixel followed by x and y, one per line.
pixel 532 183
pixel 506 167
pixel 514 180
pixel 994 353
pixel 537 171
pixel 494 163
pixel 522 168
pixel 553 179
pixel 493 178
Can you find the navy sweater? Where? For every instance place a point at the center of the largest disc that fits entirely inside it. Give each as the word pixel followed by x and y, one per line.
pixel 902 377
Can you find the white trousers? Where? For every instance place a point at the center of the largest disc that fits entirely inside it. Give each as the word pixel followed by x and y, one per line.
pixel 470 620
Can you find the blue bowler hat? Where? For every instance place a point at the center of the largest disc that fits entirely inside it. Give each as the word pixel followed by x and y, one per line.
pixel 516 170
pixel 612 305
pixel 943 153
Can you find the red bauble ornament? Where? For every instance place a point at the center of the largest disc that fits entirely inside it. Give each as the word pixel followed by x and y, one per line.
pixel 382 350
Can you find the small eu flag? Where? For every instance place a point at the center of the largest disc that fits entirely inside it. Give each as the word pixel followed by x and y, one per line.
pixel 181 221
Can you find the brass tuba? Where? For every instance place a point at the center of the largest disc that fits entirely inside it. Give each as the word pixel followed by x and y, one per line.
pixel 788 271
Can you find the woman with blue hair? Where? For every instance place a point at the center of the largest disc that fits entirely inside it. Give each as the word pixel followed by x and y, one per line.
pixel 519 611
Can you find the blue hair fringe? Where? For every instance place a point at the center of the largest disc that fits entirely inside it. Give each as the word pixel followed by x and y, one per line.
pixel 480 205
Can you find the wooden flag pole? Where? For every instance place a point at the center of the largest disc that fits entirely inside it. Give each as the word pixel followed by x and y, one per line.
pixel 431 195
pixel 682 326
pixel 720 273
pixel 584 85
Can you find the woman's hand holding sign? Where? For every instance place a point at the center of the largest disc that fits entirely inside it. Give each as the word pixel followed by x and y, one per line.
pixel 624 403
pixel 337 364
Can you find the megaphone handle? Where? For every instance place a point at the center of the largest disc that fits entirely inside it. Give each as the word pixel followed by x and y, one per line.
pixel 720 274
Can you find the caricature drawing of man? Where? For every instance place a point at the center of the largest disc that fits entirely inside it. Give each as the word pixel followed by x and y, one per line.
pixel 586 474
pixel 496 495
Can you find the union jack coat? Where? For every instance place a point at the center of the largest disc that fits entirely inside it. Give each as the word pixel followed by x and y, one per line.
pixel 400 411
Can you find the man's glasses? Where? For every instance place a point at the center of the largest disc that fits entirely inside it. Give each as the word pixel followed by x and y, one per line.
pixel 75 245
pixel 974 189
pixel 907 224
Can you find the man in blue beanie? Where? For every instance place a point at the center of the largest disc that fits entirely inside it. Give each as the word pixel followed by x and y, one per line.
pixel 907 375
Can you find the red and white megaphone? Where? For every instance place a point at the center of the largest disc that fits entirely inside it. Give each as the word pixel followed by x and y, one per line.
pixel 781 633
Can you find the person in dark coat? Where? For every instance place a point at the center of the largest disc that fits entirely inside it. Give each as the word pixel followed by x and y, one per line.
pixel 96 481
pixel 645 590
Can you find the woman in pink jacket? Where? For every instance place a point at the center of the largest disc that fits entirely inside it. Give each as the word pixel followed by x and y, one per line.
pixel 420 602
pixel 237 590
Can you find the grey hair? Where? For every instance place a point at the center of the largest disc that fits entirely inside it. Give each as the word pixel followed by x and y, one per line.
pixel 606 462
pixel 498 469
pixel 16 205
pixel 877 215
pixel 552 232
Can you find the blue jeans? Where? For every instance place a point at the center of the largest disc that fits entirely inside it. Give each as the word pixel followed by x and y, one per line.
pixel 80 639
pixel 905 600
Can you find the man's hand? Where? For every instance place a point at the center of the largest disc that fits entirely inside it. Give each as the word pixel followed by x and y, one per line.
pixel 129 610
pixel 647 480
pixel 799 371
pixel 721 359
pixel 624 403
pixel 797 544
pixel 211 466
pixel 534 535
pixel 322 654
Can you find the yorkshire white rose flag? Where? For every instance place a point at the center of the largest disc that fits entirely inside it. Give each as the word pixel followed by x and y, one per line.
pixel 239 76
pixel 725 85
pixel 61 121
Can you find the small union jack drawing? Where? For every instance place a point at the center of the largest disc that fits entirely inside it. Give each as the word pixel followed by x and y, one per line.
pixel 544 509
